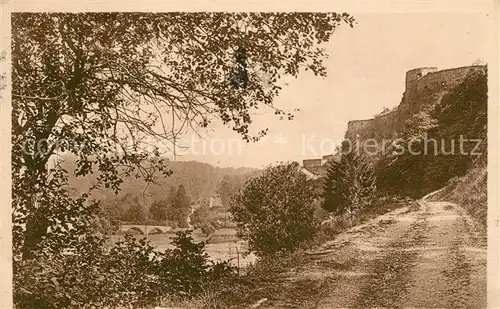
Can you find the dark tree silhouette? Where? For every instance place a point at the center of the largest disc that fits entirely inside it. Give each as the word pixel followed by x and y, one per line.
pixel 181 207
pixel 349 185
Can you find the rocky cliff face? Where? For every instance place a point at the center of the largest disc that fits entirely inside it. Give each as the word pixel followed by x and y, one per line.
pixel 424 87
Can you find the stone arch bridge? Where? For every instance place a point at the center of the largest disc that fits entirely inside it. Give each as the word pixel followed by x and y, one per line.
pixel 144 229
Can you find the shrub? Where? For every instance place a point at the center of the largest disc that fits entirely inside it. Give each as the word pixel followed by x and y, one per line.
pixel 130 273
pixel 207 229
pixel 210 219
pixel 275 210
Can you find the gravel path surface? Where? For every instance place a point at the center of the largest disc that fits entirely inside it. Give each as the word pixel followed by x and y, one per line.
pixel 430 257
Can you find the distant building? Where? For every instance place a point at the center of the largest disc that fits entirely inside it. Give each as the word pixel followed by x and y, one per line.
pixel 328 157
pixel 210 201
pixel 316 168
pixel 308 174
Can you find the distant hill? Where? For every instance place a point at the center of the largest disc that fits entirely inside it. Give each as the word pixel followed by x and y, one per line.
pixel 199 179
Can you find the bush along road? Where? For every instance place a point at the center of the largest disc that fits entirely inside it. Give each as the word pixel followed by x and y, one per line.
pixel 429 255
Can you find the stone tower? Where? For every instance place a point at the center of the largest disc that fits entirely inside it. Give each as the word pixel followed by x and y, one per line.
pixel 412 76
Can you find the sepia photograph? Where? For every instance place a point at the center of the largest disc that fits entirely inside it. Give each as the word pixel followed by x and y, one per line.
pixel 249 156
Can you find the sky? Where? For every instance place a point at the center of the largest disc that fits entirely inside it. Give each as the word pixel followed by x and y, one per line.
pixel 366 72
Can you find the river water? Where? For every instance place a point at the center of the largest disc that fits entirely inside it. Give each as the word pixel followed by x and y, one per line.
pixel 218 249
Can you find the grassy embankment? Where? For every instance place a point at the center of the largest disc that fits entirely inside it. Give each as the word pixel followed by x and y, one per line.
pixel 470 192
pixel 266 279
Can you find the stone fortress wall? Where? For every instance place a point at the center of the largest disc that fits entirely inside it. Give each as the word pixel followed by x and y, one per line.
pixel 415 75
pixel 419 80
pixel 448 78
pixel 381 126
pixel 358 126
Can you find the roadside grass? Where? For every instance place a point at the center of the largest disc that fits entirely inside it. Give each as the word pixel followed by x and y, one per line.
pixel 338 224
pixel 267 279
pixel 470 192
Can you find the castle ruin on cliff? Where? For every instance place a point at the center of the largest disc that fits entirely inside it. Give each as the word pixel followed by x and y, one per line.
pixel 423 86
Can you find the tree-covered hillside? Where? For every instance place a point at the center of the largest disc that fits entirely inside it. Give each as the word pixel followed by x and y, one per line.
pixel 199 179
pixel 139 202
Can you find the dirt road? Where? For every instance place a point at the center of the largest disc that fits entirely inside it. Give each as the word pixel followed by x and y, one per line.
pixel 430 256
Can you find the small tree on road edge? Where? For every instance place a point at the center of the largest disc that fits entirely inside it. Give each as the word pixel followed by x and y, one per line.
pixel 275 210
